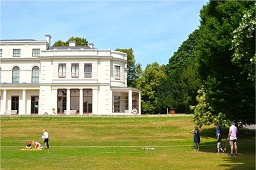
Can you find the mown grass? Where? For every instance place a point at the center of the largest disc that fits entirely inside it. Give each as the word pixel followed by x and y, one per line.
pixel 116 142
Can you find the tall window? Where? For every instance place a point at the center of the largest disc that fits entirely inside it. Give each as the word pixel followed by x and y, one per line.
pixel 75 70
pixel 34 104
pixel 35 74
pixel 87 70
pixel 87 101
pixel 1 53
pixel 36 52
pixel 0 74
pixel 74 99
pixel 120 102
pixel 16 52
pixel 15 74
pixel 62 100
pixel 62 70
pixel 116 102
pixel 135 100
pixel 117 72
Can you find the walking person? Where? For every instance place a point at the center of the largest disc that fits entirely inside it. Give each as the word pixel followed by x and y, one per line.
pixel 46 138
pixel 219 145
pixel 218 136
pixel 196 133
pixel 232 137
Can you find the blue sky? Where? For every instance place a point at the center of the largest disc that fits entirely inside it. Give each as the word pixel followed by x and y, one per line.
pixel 153 29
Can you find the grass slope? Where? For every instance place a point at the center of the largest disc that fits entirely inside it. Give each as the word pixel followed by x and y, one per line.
pixel 116 142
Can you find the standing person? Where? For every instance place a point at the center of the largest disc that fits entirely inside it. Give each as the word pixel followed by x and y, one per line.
pixel 196 133
pixel 218 128
pixel 232 137
pixel 46 138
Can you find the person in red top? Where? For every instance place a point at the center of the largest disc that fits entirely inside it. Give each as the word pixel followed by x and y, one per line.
pixel 28 145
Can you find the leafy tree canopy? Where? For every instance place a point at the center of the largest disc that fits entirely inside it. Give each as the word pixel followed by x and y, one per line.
pixel 227 88
pixel 79 42
pixel 243 43
pixel 179 89
pixel 149 84
pixel 203 112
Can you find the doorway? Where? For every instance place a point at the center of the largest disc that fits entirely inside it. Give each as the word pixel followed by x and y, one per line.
pixel 15 103
pixel 34 104
pixel 62 101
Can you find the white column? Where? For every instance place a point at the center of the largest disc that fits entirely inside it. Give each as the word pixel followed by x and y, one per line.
pixel 1 102
pixel 130 101
pixel 4 101
pixel 95 103
pixel 54 101
pixel 81 102
pixel 24 102
pixel 139 103
pixel 68 101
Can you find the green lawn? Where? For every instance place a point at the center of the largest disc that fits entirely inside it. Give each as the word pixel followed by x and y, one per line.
pixel 116 143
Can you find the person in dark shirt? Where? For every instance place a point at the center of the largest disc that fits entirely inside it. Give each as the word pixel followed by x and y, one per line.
pixel 28 146
pixel 196 133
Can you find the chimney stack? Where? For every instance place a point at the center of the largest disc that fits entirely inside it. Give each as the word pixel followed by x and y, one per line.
pixel 48 39
pixel 72 43
pixel 91 45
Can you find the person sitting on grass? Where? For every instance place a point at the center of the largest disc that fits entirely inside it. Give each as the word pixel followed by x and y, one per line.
pixel 37 145
pixel 28 146
pixel 196 133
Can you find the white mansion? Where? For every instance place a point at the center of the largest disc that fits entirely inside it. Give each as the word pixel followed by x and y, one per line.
pixel 39 79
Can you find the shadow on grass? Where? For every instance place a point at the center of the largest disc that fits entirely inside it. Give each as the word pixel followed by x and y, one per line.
pixel 246 148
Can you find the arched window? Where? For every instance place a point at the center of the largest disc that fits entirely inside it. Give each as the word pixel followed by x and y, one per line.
pixel 16 74
pixel 35 75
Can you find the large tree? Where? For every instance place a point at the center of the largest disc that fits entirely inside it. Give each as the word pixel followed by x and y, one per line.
pixel 179 89
pixel 227 88
pixel 149 84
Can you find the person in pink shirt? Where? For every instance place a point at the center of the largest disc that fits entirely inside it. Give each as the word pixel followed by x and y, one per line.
pixel 37 145
pixel 232 137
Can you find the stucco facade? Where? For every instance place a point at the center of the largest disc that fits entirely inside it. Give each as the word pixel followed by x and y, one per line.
pixel 38 79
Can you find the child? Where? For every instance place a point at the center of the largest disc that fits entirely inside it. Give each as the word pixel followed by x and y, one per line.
pixel 219 143
pixel 37 145
pixel 28 145
pixel 196 133
pixel 45 138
